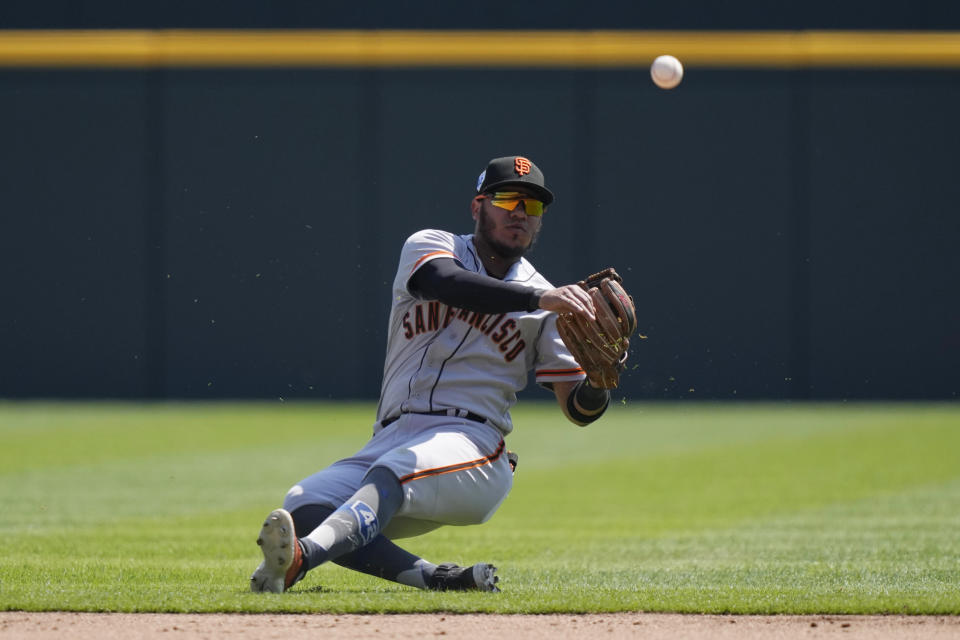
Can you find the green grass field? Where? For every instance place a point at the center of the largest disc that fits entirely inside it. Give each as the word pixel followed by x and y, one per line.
pixel 665 507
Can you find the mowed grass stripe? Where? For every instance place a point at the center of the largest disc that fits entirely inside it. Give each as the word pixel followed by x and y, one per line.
pixel 638 430
pixel 710 508
pixel 776 472
pixel 42 436
pixel 765 468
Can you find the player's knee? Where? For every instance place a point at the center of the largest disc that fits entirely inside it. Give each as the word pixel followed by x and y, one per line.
pixel 294 495
pixel 389 489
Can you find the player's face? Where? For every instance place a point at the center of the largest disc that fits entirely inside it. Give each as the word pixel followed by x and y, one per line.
pixel 509 233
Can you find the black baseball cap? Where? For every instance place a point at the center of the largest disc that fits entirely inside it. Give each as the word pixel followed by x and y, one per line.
pixel 514 171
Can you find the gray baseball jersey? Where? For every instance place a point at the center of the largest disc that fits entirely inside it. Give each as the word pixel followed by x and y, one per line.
pixel 441 357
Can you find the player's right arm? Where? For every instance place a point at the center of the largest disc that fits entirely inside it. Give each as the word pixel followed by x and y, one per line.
pixel 443 279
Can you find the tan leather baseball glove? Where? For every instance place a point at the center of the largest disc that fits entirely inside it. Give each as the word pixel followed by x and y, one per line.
pixel 600 347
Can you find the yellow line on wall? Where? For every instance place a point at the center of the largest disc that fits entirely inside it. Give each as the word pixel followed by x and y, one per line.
pixel 394 49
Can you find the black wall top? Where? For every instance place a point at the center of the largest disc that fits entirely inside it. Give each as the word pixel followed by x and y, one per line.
pixel 490 14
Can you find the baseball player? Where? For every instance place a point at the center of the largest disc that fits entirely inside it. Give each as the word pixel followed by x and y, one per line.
pixel 471 317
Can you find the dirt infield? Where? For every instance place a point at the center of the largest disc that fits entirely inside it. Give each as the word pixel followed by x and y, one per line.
pixel 83 626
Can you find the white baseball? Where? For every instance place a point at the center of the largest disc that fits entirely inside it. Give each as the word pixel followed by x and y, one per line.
pixel 666 71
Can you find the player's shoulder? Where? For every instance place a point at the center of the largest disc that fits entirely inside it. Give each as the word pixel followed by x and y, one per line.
pixel 430 235
pixel 439 240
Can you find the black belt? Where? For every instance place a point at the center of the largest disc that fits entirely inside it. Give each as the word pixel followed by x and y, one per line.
pixel 453 413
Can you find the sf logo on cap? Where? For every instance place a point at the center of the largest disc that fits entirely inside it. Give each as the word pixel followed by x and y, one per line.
pixel 521 166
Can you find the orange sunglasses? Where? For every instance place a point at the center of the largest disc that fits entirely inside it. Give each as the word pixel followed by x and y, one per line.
pixel 509 200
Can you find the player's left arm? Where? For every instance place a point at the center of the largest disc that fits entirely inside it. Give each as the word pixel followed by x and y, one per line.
pixel 580 402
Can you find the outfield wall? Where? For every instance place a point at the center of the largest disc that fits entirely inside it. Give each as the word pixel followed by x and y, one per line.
pixel 206 233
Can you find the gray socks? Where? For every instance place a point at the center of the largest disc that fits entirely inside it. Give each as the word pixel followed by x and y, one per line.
pixel 358 522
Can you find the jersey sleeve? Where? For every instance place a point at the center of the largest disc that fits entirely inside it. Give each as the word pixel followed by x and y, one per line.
pixel 420 248
pixel 554 362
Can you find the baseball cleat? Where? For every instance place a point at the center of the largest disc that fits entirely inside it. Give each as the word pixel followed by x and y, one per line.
pixel 282 564
pixel 450 577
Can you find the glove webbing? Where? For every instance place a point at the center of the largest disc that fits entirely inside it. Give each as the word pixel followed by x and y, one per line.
pixel 594 279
